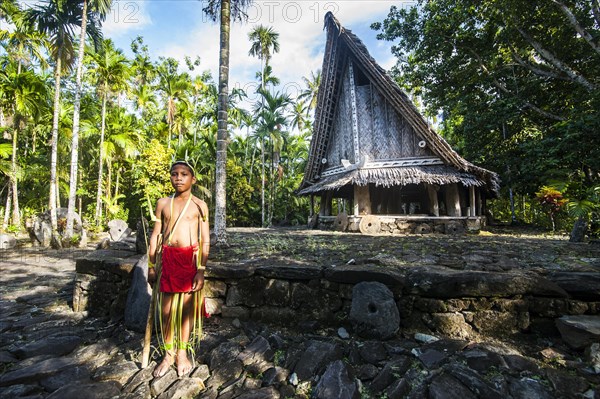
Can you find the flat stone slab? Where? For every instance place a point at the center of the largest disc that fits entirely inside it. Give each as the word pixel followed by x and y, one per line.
pixel 579 331
pixel 292 272
pixel 437 282
pixel 36 371
pixel 56 346
pixel 353 274
pixel 118 262
pixel 584 286
pixel 216 270
pixel 101 390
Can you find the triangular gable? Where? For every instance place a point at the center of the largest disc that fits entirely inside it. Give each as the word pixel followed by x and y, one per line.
pixel 383 122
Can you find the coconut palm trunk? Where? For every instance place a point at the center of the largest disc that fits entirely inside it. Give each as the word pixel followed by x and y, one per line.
pixel 222 134
pixel 75 134
pixel 100 163
pixel 16 215
pixel 54 149
pixel 262 180
pixel 7 209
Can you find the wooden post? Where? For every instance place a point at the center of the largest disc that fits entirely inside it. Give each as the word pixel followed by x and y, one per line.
pixel 472 201
pixel 362 200
pixel 326 204
pixel 434 206
pixel 453 200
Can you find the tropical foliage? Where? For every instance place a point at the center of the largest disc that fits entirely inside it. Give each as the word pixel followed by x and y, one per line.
pixel 515 82
pixel 135 116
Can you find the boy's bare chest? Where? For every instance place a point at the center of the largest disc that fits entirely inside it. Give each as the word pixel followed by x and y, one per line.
pixel 189 215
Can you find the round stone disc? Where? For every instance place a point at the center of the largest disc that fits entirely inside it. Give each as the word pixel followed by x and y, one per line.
pixel 370 224
pixel 341 222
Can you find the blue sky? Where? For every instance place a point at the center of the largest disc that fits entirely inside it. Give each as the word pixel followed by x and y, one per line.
pixel 176 28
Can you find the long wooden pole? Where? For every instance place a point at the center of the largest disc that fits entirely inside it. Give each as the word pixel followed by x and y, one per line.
pixel 152 309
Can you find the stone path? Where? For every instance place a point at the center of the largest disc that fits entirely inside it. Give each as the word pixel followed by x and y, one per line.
pixel 48 351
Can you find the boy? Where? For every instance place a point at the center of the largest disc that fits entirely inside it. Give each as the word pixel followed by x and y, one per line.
pixel 182 233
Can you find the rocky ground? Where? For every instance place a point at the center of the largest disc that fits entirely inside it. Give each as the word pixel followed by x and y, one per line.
pixel 48 351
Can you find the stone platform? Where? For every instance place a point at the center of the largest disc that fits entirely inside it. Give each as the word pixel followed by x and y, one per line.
pixel 474 322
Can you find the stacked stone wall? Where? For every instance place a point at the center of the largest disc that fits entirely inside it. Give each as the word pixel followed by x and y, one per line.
pixel 458 304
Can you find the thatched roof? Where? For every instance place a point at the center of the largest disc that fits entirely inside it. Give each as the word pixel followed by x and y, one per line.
pixel 342 47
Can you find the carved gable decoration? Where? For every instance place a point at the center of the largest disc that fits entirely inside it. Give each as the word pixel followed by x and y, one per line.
pixel 367 130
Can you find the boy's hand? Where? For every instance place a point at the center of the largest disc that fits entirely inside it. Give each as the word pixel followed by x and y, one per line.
pixel 198 281
pixel 151 276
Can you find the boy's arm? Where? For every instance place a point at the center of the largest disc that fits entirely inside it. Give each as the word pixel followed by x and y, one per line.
pixel 205 242
pixel 156 231
pixel 204 235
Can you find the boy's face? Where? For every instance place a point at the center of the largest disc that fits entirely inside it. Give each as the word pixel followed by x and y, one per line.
pixel 182 178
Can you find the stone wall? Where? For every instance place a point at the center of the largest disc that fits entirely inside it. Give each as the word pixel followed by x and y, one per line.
pixel 460 304
pixel 431 299
pixel 102 280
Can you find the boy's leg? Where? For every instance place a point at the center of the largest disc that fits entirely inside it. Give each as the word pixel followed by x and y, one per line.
pixel 169 357
pixel 184 365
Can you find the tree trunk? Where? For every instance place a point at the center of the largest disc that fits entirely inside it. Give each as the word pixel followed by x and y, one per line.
pixel 75 136
pixel 108 180
pixel 117 183
pixel 16 214
pixel 54 145
pixel 57 188
pixel 7 209
pixel 262 180
pixel 100 164
pixel 222 134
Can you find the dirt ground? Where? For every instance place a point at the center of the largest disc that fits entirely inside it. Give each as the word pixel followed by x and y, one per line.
pixel 526 249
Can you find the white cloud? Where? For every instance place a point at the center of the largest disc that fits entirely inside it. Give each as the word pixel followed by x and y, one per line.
pixel 301 37
pixel 126 17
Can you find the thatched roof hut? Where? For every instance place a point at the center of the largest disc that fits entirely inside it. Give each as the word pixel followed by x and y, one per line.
pixel 371 145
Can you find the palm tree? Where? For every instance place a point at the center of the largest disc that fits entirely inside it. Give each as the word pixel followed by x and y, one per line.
pixel 143 68
pixel 121 144
pixel 174 87
pixel 23 44
pixel 224 10
pixel 312 89
pixel 99 9
pixel 271 117
pixel 143 97
pixel 299 116
pixel 109 71
pixel 26 91
pixel 265 42
pixel 58 19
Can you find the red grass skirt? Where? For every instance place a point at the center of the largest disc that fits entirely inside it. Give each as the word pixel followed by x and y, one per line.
pixel 178 268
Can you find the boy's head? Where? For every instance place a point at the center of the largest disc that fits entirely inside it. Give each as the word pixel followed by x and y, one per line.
pixel 183 163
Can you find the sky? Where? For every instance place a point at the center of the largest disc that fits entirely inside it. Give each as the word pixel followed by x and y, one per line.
pixel 176 28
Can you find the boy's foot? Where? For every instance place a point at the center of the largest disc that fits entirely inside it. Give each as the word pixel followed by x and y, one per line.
pixel 165 365
pixel 183 363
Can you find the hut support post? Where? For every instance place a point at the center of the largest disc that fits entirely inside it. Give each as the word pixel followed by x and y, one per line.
pixel 472 201
pixel 326 204
pixel 434 206
pixel 453 200
pixel 312 206
pixel 478 201
pixel 362 200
